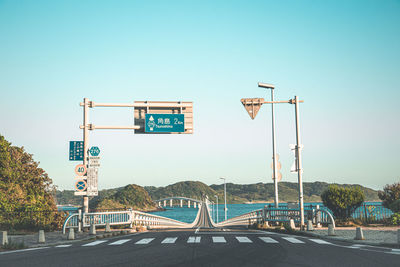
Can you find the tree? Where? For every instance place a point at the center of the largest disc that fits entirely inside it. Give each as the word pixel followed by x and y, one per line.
pixel 26 199
pixel 390 194
pixel 342 201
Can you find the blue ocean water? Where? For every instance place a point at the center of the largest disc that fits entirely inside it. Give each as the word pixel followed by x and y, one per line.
pixel 188 215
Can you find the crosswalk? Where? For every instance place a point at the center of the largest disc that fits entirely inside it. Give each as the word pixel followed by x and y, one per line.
pixel 214 239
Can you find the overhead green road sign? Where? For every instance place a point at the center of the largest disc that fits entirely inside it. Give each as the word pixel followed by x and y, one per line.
pixel 76 150
pixel 164 123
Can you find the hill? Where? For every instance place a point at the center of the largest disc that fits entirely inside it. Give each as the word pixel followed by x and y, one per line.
pixel 136 196
pixel 130 196
pixel 287 191
pixel 116 198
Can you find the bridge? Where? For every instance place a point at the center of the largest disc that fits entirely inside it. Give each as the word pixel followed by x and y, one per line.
pixel 188 200
pixel 203 218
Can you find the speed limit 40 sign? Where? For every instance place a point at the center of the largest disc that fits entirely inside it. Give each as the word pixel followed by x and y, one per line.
pixel 80 170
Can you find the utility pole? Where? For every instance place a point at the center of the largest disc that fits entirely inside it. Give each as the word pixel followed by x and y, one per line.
pixel 226 210
pixel 298 164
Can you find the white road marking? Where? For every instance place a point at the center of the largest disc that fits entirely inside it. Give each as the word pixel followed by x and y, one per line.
pixel 144 241
pixel 320 241
pixel 268 239
pixel 119 242
pixel 94 243
pixel 169 240
pixel 218 239
pixel 22 250
pixel 194 239
pixel 293 240
pixel 394 251
pixel 243 239
pixel 63 246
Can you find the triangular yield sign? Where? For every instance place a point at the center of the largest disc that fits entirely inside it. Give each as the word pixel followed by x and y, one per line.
pixel 252 105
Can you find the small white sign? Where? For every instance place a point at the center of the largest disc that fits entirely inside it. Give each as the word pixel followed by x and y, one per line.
pixel 92 180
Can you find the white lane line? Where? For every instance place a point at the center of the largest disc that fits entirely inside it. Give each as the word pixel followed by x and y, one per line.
pixel 63 246
pixel 21 250
pixel 119 242
pixel 94 243
pixel 320 241
pixel 394 251
pixel 268 239
pixel 194 239
pixel 293 240
pixel 243 239
pixel 169 240
pixel 144 241
pixel 218 239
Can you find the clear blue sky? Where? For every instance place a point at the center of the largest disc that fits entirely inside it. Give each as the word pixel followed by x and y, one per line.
pixel 341 57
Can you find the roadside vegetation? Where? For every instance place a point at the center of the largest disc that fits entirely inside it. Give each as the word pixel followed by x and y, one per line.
pixel 26 192
pixel 390 197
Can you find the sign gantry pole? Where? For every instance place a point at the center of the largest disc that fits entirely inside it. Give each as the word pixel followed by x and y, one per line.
pixel 85 146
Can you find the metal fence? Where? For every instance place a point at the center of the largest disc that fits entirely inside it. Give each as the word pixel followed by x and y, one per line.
pixel 368 211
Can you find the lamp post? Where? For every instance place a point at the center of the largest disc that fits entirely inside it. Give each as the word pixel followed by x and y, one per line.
pixel 226 210
pixel 217 206
pixel 274 169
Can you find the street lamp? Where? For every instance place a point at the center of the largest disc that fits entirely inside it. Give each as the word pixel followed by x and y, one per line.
pixel 217 206
pixel 274 169
pixel 225 196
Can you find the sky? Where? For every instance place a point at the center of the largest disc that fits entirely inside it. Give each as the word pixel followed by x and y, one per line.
pixel 340 57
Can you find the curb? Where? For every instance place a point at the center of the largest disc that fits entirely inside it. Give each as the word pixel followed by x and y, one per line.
pixel 337 238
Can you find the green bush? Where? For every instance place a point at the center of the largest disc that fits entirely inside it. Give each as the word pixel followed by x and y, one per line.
pixel 395 206
pixel 395 219
pixel 342 201
pixel 390 194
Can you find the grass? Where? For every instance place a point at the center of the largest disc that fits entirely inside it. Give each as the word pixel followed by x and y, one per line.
pixel 13 245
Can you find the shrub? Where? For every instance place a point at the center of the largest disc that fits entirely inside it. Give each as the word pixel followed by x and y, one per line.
pixel 390 194
pixel 395 206
pixel 395 219
pixel 342 201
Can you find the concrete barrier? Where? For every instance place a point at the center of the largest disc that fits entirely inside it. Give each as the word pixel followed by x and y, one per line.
pixel 291 224
pixel 310 225
pixel 359 234
pixel 331 230
pixel 71 234
pixel 92 230
pixel 398 236
pixel 4 238
pixel 108 228
pixel 42 238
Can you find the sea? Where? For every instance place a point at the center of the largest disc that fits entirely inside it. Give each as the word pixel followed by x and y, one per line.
pixel 188 215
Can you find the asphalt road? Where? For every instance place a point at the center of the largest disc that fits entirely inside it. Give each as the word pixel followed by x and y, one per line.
pixel 204 220
pixel 205 248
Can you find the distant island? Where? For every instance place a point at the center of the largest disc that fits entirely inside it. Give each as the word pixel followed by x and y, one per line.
pixel 141 198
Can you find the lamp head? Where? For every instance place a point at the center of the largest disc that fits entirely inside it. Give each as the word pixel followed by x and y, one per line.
pixel 266 85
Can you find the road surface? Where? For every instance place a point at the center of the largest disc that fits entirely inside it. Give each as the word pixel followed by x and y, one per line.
pixel 204 247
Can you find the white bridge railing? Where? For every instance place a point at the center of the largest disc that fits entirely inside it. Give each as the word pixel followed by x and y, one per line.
pixel 128 217
pixel 279 215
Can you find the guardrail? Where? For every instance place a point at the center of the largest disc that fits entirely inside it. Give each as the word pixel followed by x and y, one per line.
pixel 320 216
pixel 244 219
pixel 128 217
pixel 72 221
